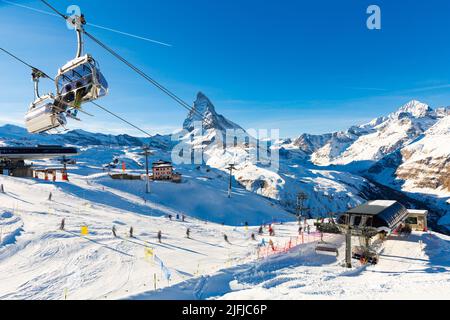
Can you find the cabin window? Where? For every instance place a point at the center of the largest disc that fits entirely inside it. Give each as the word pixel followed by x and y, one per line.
pixel 411 220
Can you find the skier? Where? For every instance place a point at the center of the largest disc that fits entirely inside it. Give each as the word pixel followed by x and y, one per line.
pixel 170 217
pixel 178 216
pixel 308 229
pixel 263 242
pixel 50 197
pixel 159 236
pixel 271 245
pixel 2 189
pixel 260 230
pixel 246 224
pixel 62 225
pixel 114 231
pixel 300 229
pixel 225 237
pixel 183 218
pixel 271 231
pixel 188 233
pixel 253 237
pixel 131 232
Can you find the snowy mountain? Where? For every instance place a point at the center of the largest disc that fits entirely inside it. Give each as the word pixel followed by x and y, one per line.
pixel 204 111
pixel 13 135
pixel 404 151
pixel 328 191
pixel 421 168
pixel 371 142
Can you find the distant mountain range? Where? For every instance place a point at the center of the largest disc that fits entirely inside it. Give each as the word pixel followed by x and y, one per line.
pixel 404 156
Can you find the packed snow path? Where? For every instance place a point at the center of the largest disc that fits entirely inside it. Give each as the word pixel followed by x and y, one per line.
pixel 40 261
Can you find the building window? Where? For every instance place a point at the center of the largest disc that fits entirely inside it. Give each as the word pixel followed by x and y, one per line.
pixel 412 220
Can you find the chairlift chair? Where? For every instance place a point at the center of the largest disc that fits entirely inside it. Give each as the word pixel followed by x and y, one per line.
pixel 327 249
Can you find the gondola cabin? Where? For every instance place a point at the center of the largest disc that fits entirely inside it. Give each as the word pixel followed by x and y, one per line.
pixel 80 81
pixel 42 116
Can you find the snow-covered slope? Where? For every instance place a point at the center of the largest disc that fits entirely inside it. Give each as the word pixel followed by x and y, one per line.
pixel 39 261
pixel 407 270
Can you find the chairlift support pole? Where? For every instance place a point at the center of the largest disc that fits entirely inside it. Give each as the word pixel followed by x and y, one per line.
pixel 78 22
pixel 301 197
pixel 36 86
pixel 231 167
pixel 348 244
pixel 36 75
pixel 146 153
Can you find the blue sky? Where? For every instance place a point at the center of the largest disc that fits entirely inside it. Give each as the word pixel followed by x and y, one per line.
pixel 297 66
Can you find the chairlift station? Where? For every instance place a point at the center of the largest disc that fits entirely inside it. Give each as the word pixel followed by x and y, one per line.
pixel 12 159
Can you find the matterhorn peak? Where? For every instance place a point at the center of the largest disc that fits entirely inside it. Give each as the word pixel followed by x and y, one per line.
pixel 416 109
pixel 204 111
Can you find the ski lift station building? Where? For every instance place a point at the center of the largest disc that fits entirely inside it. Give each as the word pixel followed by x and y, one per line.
pixel 12 159
pixel 385 216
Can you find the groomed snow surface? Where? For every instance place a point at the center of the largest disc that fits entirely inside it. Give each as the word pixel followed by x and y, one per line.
pixel 39 261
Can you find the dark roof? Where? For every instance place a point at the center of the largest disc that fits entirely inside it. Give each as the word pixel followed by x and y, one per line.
pixel 39 152
pixel 372 208
pixel 384 213
pixel 161 162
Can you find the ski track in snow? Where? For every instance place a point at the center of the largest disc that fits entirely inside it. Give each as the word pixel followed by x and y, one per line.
pixel 406 270
pixel 38 261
